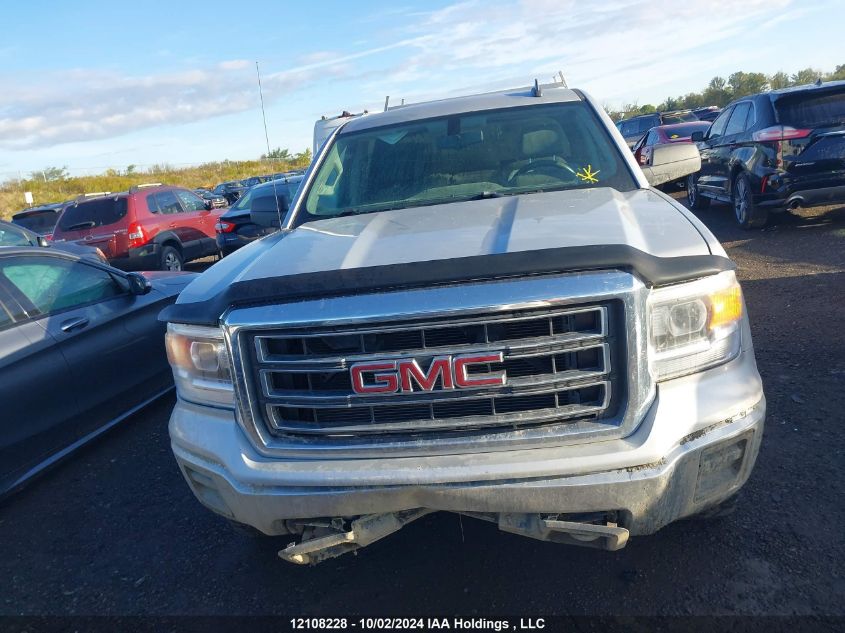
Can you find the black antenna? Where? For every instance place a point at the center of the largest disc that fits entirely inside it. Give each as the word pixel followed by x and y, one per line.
pixel 267 139
pixel 536 91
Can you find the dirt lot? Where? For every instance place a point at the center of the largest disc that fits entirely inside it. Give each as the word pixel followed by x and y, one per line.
pixel 116 530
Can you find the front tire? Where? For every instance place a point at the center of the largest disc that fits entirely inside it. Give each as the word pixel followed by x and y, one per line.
pixel 695 200
pixel 171 259
pixel 748 215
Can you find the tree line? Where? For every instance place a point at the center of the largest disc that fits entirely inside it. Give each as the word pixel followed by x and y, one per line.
pixel 720 91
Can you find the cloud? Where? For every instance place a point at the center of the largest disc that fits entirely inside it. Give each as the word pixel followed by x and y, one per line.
pixel 617 49
pixel 88 105
pixel 480 41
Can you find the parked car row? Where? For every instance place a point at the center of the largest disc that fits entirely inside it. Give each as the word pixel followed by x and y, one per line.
pixel 634 128
pixel 774 151
pixel 236 228
pixel 234 189
pixel 72 316
pixel 217 202
pixel 763 153
pixel 150 226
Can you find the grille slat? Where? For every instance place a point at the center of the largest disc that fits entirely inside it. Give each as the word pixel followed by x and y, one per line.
pixel 509 411
pixel 557 362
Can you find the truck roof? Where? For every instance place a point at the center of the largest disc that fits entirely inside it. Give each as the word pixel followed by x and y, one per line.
pixel 554 93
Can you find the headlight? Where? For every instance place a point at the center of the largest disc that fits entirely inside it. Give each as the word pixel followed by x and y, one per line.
pixel 694 326
pixel 200 364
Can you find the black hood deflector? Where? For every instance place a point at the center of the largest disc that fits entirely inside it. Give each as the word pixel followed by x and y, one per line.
pixel 654 271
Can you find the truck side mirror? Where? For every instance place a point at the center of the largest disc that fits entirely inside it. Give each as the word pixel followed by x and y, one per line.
pixel 265 213
pixel 697 136
pixel 672 161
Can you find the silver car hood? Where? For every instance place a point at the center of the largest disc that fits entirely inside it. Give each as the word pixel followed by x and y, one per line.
pixel 642 219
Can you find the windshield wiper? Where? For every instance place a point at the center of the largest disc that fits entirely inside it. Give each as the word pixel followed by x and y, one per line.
pixel 348 212
pixel 81 225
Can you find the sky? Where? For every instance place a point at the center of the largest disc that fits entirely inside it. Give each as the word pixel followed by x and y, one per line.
pixel 94 85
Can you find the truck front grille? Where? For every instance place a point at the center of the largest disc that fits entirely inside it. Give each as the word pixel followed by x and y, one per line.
pixel 563 366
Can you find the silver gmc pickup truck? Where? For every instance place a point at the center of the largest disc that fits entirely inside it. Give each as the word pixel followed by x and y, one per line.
pixel 475 305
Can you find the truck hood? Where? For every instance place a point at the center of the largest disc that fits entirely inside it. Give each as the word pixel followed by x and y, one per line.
pixel 642 219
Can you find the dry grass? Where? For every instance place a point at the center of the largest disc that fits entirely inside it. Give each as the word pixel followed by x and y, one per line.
pixel 206 175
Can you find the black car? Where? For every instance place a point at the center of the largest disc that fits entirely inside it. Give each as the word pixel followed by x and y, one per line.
pixel 41 219
pixel 235 228
pixel 774 151
pixel 14 235
pixel 231 190
pixel 707 114
pixel 256 180
pixel 216 201
pixel 81 348
pixel 634 128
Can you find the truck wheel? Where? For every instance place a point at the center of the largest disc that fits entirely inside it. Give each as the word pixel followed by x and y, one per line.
pixel 171 259
pixel 748 215
pixel 726 508
pixel 695 200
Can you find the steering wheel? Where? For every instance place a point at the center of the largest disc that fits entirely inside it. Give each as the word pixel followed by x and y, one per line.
pixel 545 166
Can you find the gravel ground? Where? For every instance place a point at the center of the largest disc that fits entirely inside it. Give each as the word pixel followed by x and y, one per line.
pixel 115 530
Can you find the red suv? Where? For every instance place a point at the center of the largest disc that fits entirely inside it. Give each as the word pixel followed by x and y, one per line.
pixel 150 227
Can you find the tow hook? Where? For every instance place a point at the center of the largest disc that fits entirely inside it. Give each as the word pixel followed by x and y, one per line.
pixel 365 530
pixel 609 536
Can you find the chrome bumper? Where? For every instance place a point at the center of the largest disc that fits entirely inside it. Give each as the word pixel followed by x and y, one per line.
pixel 695 447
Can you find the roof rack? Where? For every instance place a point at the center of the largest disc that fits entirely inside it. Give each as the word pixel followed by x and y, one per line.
pixel 96 194
pixel 135 188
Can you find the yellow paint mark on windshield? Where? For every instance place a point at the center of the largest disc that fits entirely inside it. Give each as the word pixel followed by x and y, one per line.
pixel 587 174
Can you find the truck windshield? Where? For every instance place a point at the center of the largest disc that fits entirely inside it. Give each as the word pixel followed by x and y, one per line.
pixel 464 157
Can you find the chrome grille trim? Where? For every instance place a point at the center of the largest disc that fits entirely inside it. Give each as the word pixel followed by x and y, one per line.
pixel 467 422
pixel 515 347
pixel 542 383
pixel 456 302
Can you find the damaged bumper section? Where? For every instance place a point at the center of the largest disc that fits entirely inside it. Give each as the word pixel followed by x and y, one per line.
pixel 669 468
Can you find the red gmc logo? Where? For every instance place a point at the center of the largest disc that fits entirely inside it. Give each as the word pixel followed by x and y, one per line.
pixel 406 375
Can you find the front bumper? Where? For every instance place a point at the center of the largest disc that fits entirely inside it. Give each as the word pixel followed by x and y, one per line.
pixel 695 447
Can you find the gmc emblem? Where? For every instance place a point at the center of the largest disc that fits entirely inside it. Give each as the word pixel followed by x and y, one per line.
pixel 406 375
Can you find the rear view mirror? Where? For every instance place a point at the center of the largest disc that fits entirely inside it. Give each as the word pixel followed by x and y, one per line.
pixel 265 213
pixel 138 284
pixel 697 136
pixel 672 161
pixel 43 242
pixel 459 141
